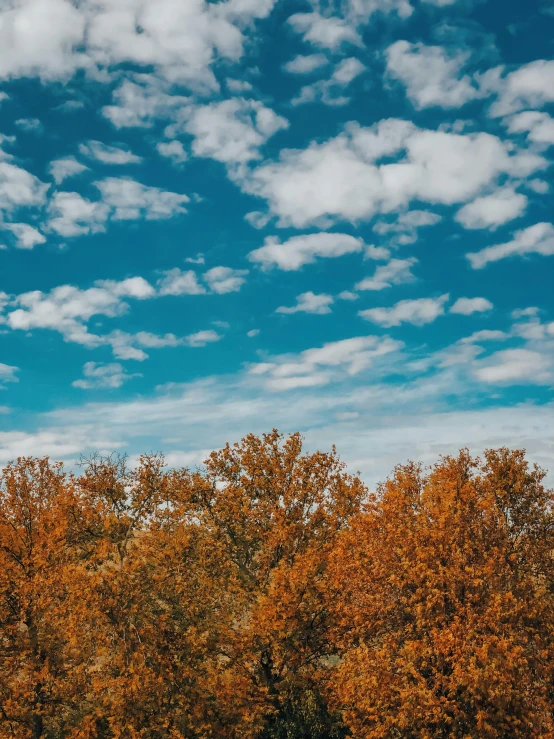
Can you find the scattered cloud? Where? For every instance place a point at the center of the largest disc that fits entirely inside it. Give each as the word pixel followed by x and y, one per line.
pixel 173 150
pixel 70 214
pixel 405 228
pixel 538 126
pixel 305 249
pixel 30 125
pixel 309 302
pixel 537 239
pixel 306 64
pixel 108 154
pixel 201 338
pixel 130 200
pixel 431 74
pixel 231 131
pixel 26 236
pixel 468 306
pixel 198 259
pixel 319 366
pixel 331 91
pixel 179 282
pixel 54 39
pixel 61 169
pixel 19 188
pixel 491 211
pixel 530 86
pixel 344 178
pixel 417 312
pixel 103 376
pixel 8 373
pixel 485 335
pixel 348 295
pixel 222 280
pixel 327 33
pixel 515 366
pixel 395 272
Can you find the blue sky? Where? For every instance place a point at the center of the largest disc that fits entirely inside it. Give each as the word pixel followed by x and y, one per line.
pixel 332 217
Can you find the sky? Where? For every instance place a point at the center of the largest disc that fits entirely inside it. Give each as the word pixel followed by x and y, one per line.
pixel 333 217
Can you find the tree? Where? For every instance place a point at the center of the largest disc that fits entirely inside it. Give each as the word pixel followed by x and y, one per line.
pixel 274 514
pixel 41 675
pixel 444 604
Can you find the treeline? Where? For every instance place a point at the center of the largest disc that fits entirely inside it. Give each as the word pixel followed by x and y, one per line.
pixel 271 596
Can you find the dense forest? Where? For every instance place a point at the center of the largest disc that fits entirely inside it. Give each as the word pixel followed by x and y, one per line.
pixel 270 595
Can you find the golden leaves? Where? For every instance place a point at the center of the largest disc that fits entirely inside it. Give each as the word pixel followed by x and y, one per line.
pixel 239 601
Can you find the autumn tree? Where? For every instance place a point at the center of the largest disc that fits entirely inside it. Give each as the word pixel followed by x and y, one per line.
pixel 274 513
pixel 267 596
pixel 444 604
pixel 41 675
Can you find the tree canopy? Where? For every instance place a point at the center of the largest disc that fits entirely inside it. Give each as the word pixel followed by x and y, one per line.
pixel 269 595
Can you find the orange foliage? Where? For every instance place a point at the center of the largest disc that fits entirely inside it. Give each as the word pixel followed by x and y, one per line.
pixel 445 604
pixel 237 601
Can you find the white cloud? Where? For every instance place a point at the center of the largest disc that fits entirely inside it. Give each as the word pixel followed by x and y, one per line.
pixel 253 332
pixel 523 312
pixel 319 366
pixel 361 11
pixel 331 91
pixel 405 228
pixel 61 169
pixel 30 125
pixel 66 308
pixel 539 186
pixel 52 39
pixel 257 219
pixel 348 295
pixel 131 346
pixel 342 179
pixel 70 214
pixel 132 200
pixel 106 154
pixel 538 126
pixel 300 250
pixel 225 279
pixel 493 210
pixel 306 64
pixel 231 131
pixel 201 338
pixel 8 373
pixel 103 376
pixel 485 335
pixel 537 239
pixel 395 272
pixel 26 236
pixel 309 302
pixel 432 76
pixel 173 150
pixel 179 282
pixel 468 306
pixel 38 38
pixel 142 100
pixel 327 33
pixel 530 86
pixel 515 366
pixel 238 86
pixel 19 188
pixel 418 312
pixel 198 259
